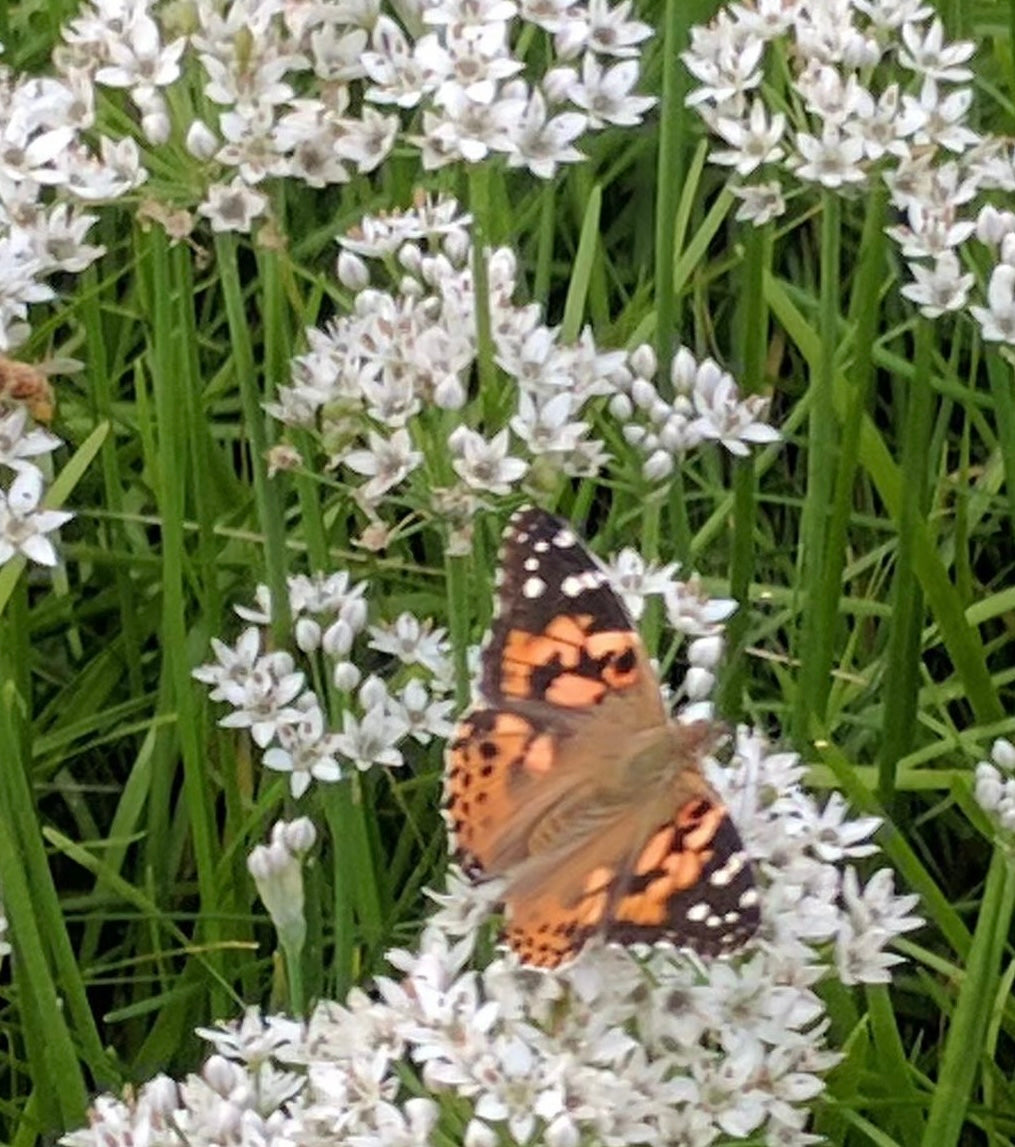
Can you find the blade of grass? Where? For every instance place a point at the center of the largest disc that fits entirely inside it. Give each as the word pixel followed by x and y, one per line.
pixel 960 1060
pixel 581 272
pixel 960 639
pixel 814 637
pixel 902 670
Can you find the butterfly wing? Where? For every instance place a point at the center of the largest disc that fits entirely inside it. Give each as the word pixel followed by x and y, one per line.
pixel 538 784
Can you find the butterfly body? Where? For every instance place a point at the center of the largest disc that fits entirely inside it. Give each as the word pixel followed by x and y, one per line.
pixel 569 779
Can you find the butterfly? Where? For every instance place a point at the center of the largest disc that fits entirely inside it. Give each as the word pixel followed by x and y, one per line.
pixel 568 779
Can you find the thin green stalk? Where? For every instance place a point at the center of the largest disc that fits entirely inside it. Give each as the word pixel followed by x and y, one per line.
pixel 269 510
pixel 902 669
pixel 202 486
pixel 459 617
pixel 651 625
pixel 677 18
pixel 544 249
pixel 101 393
pixel 823 606
pixel 166 353
pixel 821 463
pixel 293 955
pixel 479 206
pixel 1000 374
pixel 753 346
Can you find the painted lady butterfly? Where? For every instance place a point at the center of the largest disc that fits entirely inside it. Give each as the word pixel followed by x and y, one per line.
pixel 569 779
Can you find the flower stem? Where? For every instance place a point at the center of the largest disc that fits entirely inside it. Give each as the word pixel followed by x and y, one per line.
pixel 753 342
pixel 821 463
pixel 902 673
pixel 823 607
pixel 269 511
pixel 480 206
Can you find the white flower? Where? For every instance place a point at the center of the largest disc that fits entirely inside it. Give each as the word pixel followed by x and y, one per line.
pixel 23 526
pixel 387 462
pixel 542 142
pixel 723 416
pixel 605 93
pixel 760 203
pixel 412 641
pixel 234 664
pixel 371 741
pixel 16 446
pixel 485 465
pixel 941 288
pixel 263 699
pixel 833 160
pixel 425 717
pixel 635 579
pixel 874 915
pixel 997 319
pixel 752 142
pixel 305 750
pixel 139 61
pixel 932 57
pixel 233 206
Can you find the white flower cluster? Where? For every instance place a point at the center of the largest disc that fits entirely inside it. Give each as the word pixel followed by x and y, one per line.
pixel 457 63
pixel 876 92
pixel 24 525
pixel 314 91
pixel 615 1049
pixel 706 407
pixel 994 787
pixel 408 353
pixel 288 720
pixel 48 173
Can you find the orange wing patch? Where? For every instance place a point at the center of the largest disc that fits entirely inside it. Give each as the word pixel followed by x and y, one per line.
pixel 567 664
pixel 493 759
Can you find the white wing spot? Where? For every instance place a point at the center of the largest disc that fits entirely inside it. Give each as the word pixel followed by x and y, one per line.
pixel 731 917
pixel 531 564
pixel 749 898
pixel 572 586
pixel 541 546
pixel 723 876
pixel 533 587
pixel 522 536
pixel 564 539
pixel 713 921
pixel 697 912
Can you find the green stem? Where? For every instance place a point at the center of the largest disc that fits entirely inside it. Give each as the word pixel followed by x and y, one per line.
pixel 269 510
pixel 166 353
pixel 544 250
pixel 823 607
pixel 670 173
pixel 754 342
pixel 479 205
pixel 902 671
pixel 293 954
pixel 821 462
pixel 457 571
